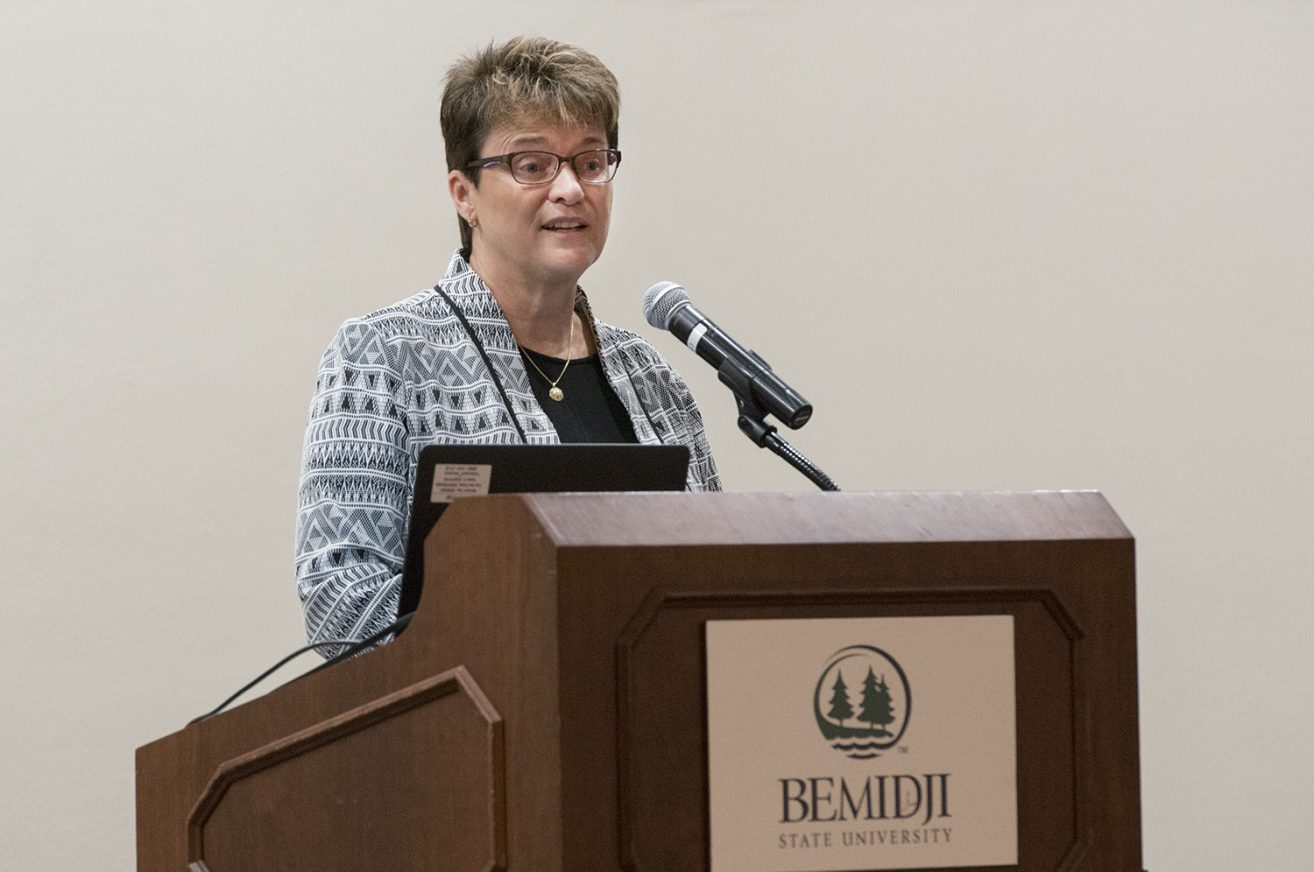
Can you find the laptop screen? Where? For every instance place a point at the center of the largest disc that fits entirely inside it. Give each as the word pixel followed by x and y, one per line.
pixel 446 472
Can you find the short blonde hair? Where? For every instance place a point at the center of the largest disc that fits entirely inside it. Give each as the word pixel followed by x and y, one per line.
pixel 528 79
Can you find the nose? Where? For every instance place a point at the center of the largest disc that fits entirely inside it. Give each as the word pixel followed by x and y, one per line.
pixel 566 187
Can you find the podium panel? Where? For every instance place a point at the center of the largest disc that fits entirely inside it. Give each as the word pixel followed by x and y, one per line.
pixel 315 800
pixel 653 688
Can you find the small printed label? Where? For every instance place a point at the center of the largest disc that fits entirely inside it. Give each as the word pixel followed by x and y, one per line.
pixel 451 480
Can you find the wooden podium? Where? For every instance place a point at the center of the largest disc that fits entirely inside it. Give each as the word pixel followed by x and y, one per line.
pixel 546 709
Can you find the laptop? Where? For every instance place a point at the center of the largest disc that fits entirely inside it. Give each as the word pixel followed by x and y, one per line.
pixel 447 472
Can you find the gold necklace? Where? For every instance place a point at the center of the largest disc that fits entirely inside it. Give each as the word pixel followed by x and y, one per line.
pixel 555 392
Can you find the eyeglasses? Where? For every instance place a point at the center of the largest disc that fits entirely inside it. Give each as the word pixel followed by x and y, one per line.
pixel 596 166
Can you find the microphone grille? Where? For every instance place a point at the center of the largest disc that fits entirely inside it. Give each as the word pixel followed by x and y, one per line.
pixel 660 301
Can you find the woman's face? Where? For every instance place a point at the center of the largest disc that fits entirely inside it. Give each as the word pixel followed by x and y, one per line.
pixel 534 235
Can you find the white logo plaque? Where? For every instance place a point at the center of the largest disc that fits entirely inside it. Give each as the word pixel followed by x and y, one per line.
pixel 861 743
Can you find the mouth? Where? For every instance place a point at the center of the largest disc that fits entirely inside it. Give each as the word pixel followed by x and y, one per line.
pixel 565 225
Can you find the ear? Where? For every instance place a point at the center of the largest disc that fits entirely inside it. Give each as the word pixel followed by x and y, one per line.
pixel 462 193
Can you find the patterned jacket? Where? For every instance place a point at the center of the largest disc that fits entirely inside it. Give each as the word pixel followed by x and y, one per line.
pixel 421 372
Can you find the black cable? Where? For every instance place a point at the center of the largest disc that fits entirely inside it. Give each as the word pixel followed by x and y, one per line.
pixel 354 645
pixel 395 627
pixel 262 676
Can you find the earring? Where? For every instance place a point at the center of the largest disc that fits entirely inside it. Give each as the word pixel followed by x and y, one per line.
pixel 473 222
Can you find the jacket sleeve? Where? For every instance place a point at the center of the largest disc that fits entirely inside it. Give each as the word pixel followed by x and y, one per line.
pixel 703 474
pixel 354 496
pixel 664 400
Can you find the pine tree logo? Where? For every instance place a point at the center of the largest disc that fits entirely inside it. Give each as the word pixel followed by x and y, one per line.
pixel 884 701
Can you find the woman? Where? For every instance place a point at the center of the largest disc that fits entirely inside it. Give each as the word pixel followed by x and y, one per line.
pixel 503 349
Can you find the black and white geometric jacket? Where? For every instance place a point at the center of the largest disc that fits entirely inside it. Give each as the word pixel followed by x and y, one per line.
pixel 421 372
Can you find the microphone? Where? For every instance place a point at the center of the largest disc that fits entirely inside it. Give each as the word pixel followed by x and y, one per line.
pixel 667 307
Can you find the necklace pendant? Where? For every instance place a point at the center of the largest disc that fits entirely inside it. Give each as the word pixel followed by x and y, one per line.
pixel 557 394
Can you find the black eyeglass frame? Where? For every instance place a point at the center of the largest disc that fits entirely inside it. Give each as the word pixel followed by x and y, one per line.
pixel 484 163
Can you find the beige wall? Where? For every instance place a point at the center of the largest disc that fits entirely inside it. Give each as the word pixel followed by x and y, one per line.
pixel 998 244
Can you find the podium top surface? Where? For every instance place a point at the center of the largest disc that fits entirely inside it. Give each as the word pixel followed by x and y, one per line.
pixel 681 519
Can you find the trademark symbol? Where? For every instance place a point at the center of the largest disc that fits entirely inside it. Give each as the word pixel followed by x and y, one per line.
pixel 903 749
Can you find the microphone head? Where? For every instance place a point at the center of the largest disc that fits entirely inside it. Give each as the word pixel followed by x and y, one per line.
pixel 661 300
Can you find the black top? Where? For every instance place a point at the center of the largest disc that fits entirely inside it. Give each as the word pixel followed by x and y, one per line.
pixel 590 411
